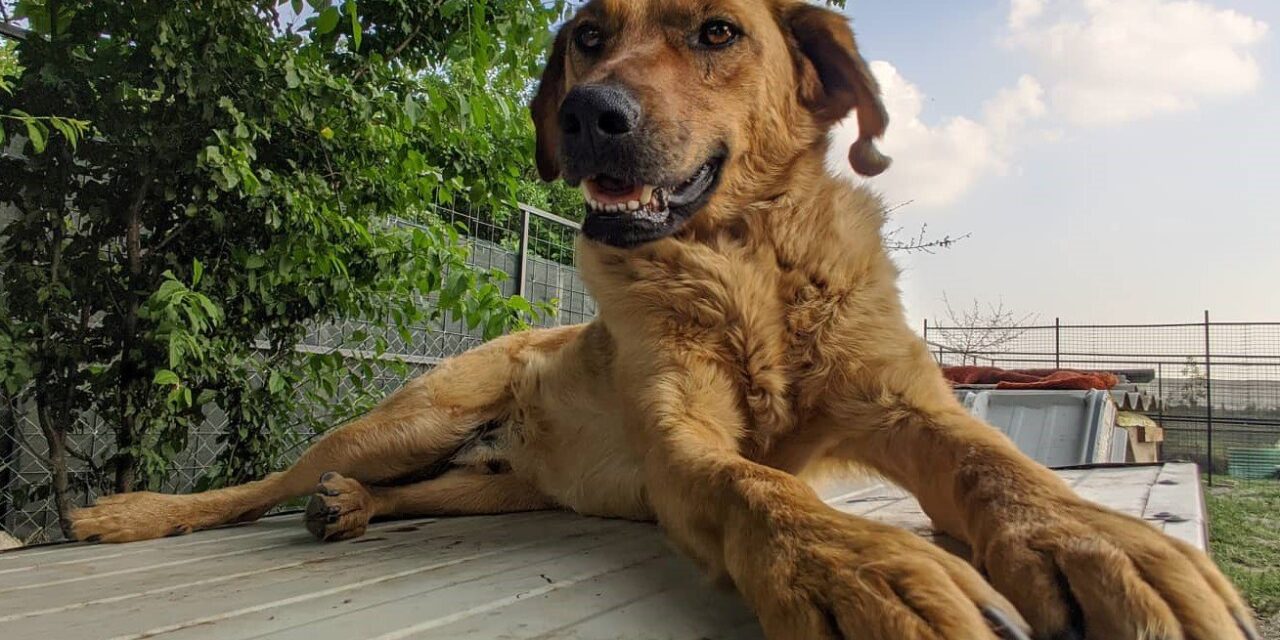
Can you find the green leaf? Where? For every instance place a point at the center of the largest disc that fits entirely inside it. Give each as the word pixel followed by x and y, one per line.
pixel 496 325
pixel 327 21
pixel 356 34
pixel 36 133
pixel 166 377
pixel 197 270
pixel 175 352
pixel 66 129
pixel 275 383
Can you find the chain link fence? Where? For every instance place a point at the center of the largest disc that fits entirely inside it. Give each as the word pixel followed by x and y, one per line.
pixel 535 248
pixel 1217 384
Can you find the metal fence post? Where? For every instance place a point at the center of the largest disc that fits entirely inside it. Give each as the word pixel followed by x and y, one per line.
pixel 8 459
pixel 1057 343
pixel 1208 395
pixel 522 266
pixel 1160 392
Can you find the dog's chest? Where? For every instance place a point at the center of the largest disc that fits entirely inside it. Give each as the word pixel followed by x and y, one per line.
pixel 758 319
pixel 770 334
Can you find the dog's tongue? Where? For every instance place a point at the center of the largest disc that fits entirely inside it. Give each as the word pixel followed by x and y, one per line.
pixel 610 190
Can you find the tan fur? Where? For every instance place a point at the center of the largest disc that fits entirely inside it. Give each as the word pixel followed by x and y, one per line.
pixel 761 344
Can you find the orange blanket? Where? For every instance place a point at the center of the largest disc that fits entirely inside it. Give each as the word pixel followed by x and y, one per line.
pixel 1031 378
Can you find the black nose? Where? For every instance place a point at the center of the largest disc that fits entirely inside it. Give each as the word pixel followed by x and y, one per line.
pixel 598 113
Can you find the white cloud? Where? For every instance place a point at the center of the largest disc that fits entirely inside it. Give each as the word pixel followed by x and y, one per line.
pixel 935 165
pixel 1098 62
pixel 1116 61
pixel 1022 12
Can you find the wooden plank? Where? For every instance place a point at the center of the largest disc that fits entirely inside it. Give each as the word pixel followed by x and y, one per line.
pixel 1177 504
pixel 469 603
pixel 200 575
pixel 477 584
pixel 1123 489
pixel 33 557
pixel 543 575
pixel 638 600
pixel 870 501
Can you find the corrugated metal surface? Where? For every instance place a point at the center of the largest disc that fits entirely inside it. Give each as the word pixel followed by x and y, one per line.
pixel 1253 464
pixel 1057 428
pixel 542 575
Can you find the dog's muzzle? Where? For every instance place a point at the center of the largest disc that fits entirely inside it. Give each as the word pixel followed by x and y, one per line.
pixel 631 195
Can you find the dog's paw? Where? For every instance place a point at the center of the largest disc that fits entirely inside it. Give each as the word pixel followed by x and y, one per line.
pixel 129 517
pixel 340 509
pixel 846 578
pixel 1077 570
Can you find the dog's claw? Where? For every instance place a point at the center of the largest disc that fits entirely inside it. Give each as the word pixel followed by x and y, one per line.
pixel 1003 626
pixel 1247 629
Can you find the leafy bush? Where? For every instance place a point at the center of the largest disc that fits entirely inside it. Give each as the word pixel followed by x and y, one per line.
pixel 238 163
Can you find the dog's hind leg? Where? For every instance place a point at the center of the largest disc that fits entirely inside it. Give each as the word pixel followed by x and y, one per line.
pixel 341 508
pixel 411 431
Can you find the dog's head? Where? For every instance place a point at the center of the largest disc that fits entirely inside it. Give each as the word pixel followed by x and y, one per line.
pixel 660 108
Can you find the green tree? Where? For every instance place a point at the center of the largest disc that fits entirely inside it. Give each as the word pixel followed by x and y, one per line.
pixel 1195 385
pixel 240 164
pixel 36 128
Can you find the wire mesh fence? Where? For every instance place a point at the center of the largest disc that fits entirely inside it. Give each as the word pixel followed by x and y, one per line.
pixel 1217 384
pixel 535 248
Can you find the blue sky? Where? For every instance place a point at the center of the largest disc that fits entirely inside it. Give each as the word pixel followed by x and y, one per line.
pixel 1113 160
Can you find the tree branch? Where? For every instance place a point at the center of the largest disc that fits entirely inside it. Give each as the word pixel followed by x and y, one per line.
pixel 395 53
pixel 976 331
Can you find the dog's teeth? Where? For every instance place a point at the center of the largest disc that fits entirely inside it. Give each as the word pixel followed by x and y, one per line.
pixel 646 194
pixel 633 205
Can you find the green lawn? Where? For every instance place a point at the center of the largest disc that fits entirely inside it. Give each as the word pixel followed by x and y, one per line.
pixel 1244 536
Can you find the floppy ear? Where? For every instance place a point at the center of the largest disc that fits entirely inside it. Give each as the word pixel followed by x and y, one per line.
pixel 546 110
pixel 834 79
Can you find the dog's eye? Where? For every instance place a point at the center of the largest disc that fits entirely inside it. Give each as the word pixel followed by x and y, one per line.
pixel 589 38
pixel 718 33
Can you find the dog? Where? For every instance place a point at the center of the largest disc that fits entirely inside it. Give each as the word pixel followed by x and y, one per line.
pixel 750 338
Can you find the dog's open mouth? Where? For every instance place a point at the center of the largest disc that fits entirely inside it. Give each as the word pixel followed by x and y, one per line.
pixel 626 213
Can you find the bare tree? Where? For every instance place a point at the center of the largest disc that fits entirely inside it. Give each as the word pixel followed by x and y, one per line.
pixel 979 329
pixel 920 242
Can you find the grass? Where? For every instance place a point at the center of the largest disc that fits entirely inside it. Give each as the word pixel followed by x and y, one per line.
pixel 1244 536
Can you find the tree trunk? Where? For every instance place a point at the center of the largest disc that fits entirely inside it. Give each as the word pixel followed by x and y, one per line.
pixel 126 437
pixel 56 437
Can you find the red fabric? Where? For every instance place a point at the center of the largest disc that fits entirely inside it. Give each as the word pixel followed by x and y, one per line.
pixel 1031 378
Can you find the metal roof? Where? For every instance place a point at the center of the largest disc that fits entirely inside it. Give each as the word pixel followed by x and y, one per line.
pixel 539 575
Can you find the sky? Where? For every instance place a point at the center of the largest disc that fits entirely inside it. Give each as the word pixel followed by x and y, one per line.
pixel 1112 160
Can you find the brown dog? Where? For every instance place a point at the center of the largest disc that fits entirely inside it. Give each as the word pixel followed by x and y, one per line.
pixel 750 334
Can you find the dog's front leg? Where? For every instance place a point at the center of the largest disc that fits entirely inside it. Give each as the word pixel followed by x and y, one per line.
pixel 1073 568
pixel 807 570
